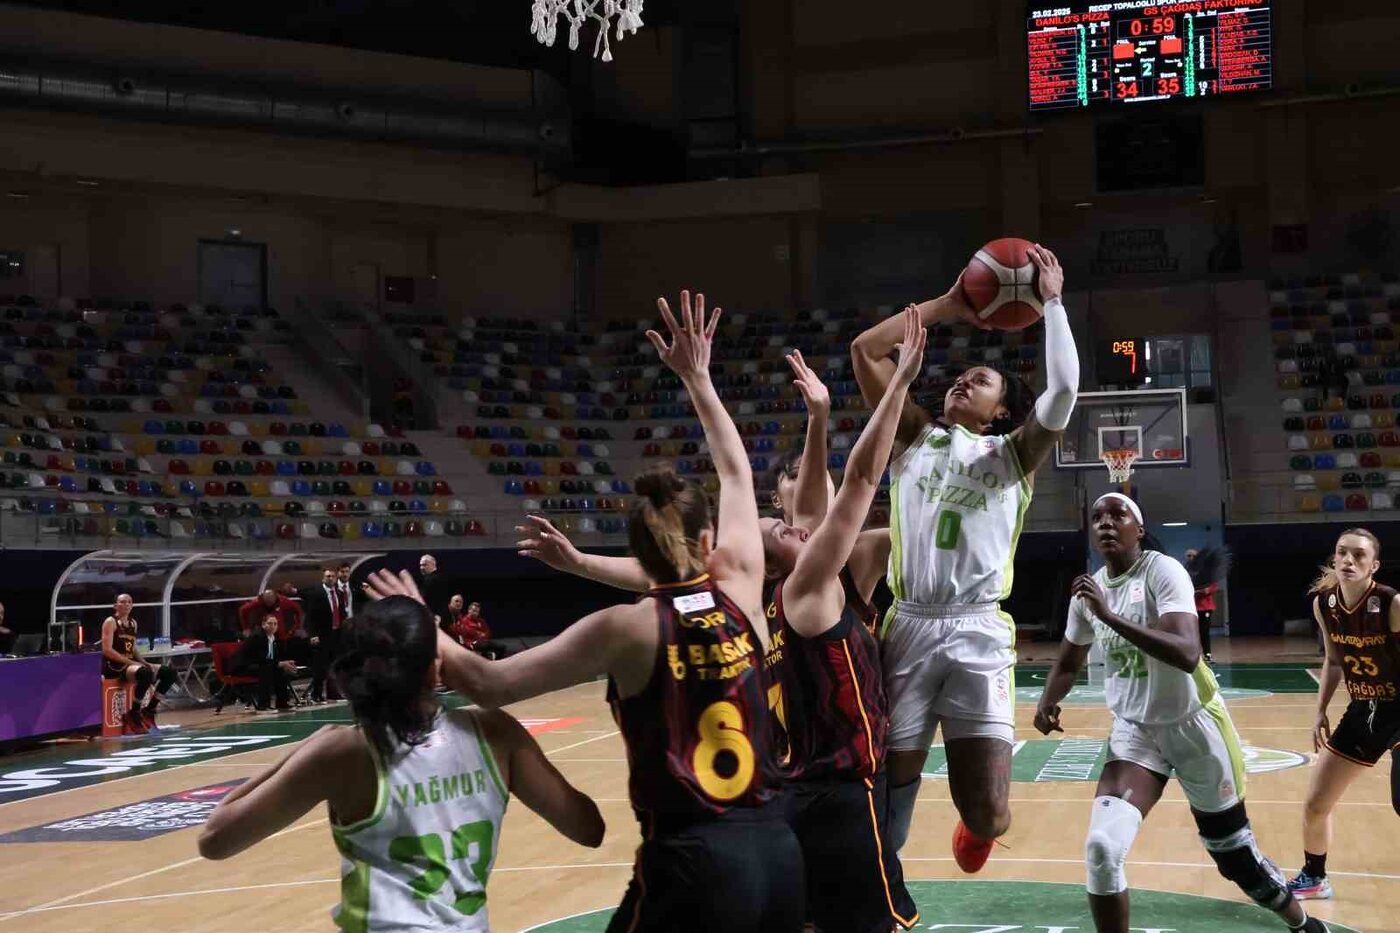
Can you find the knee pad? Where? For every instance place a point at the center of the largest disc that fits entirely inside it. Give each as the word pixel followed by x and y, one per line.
pixel 1113 826
pixel 165 678
pixel 144 679
pixel 1239 860
pixel 899 813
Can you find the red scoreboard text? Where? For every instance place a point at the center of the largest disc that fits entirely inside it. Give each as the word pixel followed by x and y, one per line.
pixel 1082 54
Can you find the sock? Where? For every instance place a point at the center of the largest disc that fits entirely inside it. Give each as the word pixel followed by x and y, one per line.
pixel 1315 865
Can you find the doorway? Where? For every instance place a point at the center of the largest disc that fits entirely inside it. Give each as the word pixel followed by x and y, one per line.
pixel 233 275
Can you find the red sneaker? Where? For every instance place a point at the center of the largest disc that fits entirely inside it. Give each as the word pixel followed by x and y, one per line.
pixel 969 851
pixel 135 724
pixel 148 717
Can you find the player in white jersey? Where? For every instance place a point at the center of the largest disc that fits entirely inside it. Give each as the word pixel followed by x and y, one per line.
pixel 416 793
pixel 960 484
pixel 1168 718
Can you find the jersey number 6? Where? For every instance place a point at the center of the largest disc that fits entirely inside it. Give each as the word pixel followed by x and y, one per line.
pixel 723 744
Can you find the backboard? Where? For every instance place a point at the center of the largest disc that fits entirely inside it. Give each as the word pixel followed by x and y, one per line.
pixel 1152 421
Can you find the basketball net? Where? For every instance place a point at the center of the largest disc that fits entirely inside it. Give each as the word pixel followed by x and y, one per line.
pixel 1120 464
pixel 546 13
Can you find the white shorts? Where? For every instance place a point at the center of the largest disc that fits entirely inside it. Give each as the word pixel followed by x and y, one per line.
pixel 950 665
pixel 1203 751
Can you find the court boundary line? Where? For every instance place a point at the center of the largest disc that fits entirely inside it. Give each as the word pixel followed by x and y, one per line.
pixel 55 906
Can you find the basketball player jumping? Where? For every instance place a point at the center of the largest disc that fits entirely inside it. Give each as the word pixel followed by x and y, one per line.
pixel 826 667
pixel 1168 717
pixel 960 486
pixel 686 684
pixel 1360 622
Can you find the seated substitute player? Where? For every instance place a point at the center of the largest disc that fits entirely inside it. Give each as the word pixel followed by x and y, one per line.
pixel 1168 718
pixel 121 660
pixel 1360 624
pixel 827 667
pixel 685 670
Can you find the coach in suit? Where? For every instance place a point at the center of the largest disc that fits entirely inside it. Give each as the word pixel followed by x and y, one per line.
pixel 325 613
pixel 264 656
pixel 436 589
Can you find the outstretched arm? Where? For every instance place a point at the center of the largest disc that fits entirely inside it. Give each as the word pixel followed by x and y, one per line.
pixel 830 546
pixel 586 650
pixel 538 784
pixel 1036 438
pixel 812 492
pixel 739 545
pixel 874 369
pixel 550 546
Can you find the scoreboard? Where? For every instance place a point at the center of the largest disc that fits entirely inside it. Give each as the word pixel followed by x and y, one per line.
pixel 1125 52
pixel 1121 361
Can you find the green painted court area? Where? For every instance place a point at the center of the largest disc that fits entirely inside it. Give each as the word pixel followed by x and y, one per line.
pixel 1273 677
pixel 1034 907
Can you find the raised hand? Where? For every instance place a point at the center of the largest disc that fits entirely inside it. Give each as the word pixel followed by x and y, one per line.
pixel 911 350
pixel 688 355
pixel 813 390
pixel 384 583
pixel 960 308
pixel 546 544
pixel 1052 274
pixel 1088 589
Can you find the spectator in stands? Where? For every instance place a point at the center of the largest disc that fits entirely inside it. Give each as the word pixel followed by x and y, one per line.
pixel 286 610
pixel 435 588
pixel 264 656
pixel 470 629
pixel 324 616
pixel 7 636
pixel 1331 374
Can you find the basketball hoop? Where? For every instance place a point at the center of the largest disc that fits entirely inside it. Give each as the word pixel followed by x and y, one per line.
pixel 546 13
pixel 1119 463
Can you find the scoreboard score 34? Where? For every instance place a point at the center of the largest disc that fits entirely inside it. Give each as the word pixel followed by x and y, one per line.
pixel 1131 51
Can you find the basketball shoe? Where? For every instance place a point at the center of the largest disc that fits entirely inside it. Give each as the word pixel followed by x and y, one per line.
pixel 970 851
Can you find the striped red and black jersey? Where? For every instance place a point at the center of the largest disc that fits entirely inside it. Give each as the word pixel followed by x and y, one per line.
pixel 1361 638
pixel 698 737
pixel 834 698
pixel 865 611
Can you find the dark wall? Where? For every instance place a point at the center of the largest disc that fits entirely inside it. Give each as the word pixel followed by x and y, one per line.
pixel 1274 565
pixel 27 579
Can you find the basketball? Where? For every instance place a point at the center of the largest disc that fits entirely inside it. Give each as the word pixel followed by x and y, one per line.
pixel 1000 284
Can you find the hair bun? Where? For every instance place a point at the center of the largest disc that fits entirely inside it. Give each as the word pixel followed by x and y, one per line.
pixel 660 485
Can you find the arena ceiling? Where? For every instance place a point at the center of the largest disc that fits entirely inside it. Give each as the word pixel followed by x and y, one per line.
pixel 484 32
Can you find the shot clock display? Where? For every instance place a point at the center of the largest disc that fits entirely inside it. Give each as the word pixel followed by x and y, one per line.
pixel 1122 361
pixel 1089 54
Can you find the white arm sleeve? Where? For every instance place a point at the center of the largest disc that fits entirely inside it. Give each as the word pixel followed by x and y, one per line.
pixel 1055 404
pixel 1171 586
pixel 1078 629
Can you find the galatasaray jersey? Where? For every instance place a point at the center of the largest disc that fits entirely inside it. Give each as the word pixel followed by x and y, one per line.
pixel 1363 642
pixel 958 501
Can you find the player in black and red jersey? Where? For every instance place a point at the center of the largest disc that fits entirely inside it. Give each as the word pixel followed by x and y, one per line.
pixel 833 696
pixel 1360 622
pixel 686 685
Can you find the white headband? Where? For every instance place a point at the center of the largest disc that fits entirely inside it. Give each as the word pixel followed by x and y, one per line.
pixel 1131 505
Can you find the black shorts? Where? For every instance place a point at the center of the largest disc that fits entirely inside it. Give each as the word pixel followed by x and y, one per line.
pixel 854 880
pixel 111 670
pixel 1369 729
pixel 738 874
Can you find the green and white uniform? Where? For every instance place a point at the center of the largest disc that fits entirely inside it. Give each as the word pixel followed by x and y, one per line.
pixel 421 860
pixel 1164 719
pixel 958 503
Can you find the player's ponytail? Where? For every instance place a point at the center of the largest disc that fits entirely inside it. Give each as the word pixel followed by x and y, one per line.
pixel 666 522
pixel 390 646
pixel 1327 575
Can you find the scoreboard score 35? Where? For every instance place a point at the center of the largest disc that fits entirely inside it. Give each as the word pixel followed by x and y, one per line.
pixel 1130 51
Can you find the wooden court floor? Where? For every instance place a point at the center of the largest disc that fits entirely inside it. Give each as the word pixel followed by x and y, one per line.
pixel 289 883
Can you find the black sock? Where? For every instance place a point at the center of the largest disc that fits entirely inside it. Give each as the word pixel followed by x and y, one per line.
pixel 1315 865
